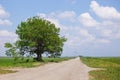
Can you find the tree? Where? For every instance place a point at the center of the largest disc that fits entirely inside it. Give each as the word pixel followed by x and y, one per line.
pixel 12 51
pixel 37 36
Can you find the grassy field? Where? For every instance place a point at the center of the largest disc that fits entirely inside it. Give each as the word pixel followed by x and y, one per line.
pixel 6 63
pixel 110 64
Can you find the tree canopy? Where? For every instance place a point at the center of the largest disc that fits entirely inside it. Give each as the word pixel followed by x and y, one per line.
pixel 37 36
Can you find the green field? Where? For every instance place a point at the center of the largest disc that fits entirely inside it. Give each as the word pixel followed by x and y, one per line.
pixel 6 63
pixel 111 66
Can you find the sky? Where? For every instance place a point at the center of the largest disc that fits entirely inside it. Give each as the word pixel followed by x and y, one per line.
pixel 92 27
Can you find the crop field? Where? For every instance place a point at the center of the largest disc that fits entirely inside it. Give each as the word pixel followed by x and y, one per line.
pixel 110 67
pixel 7 63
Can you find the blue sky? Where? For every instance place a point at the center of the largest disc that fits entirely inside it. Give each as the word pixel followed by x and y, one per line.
pixel 92 27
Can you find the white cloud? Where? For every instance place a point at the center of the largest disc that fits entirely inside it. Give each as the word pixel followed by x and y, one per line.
pixel 5 22
pixel 86 36
pixel 109 26
pixel 6 36
pixel 0 41
pixel 77 37
pixel 104 12
pixel 5 33
pixel 106 33
pixel 107 23
pixel 3 13
pixel 106 41
pixel 87 20
pixel 72 40
pixel 65 15
pixel 42 15
pixel 118 35
pixel 69 15
pixel 3 16
pixel 74 1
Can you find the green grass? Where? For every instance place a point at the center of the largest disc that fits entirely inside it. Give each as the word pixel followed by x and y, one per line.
pixel 6 71
pixel 6 63
pixel 110 64
pixel 10 63
pixel 47 60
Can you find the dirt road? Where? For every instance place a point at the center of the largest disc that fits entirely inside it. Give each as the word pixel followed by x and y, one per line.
pixel 68 70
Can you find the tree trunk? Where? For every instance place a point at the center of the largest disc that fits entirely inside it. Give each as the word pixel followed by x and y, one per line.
pixel 39 51
pixel 39 57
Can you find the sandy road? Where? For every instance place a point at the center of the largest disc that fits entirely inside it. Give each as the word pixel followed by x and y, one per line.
pixel 68 70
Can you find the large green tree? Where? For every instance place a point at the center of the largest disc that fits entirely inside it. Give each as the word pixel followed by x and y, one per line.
pixel 37 36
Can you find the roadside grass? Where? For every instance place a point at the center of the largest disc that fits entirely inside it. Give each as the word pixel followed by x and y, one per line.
pixel 56 60
pixel 110 64
pixel 8 63
pixel 6 71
